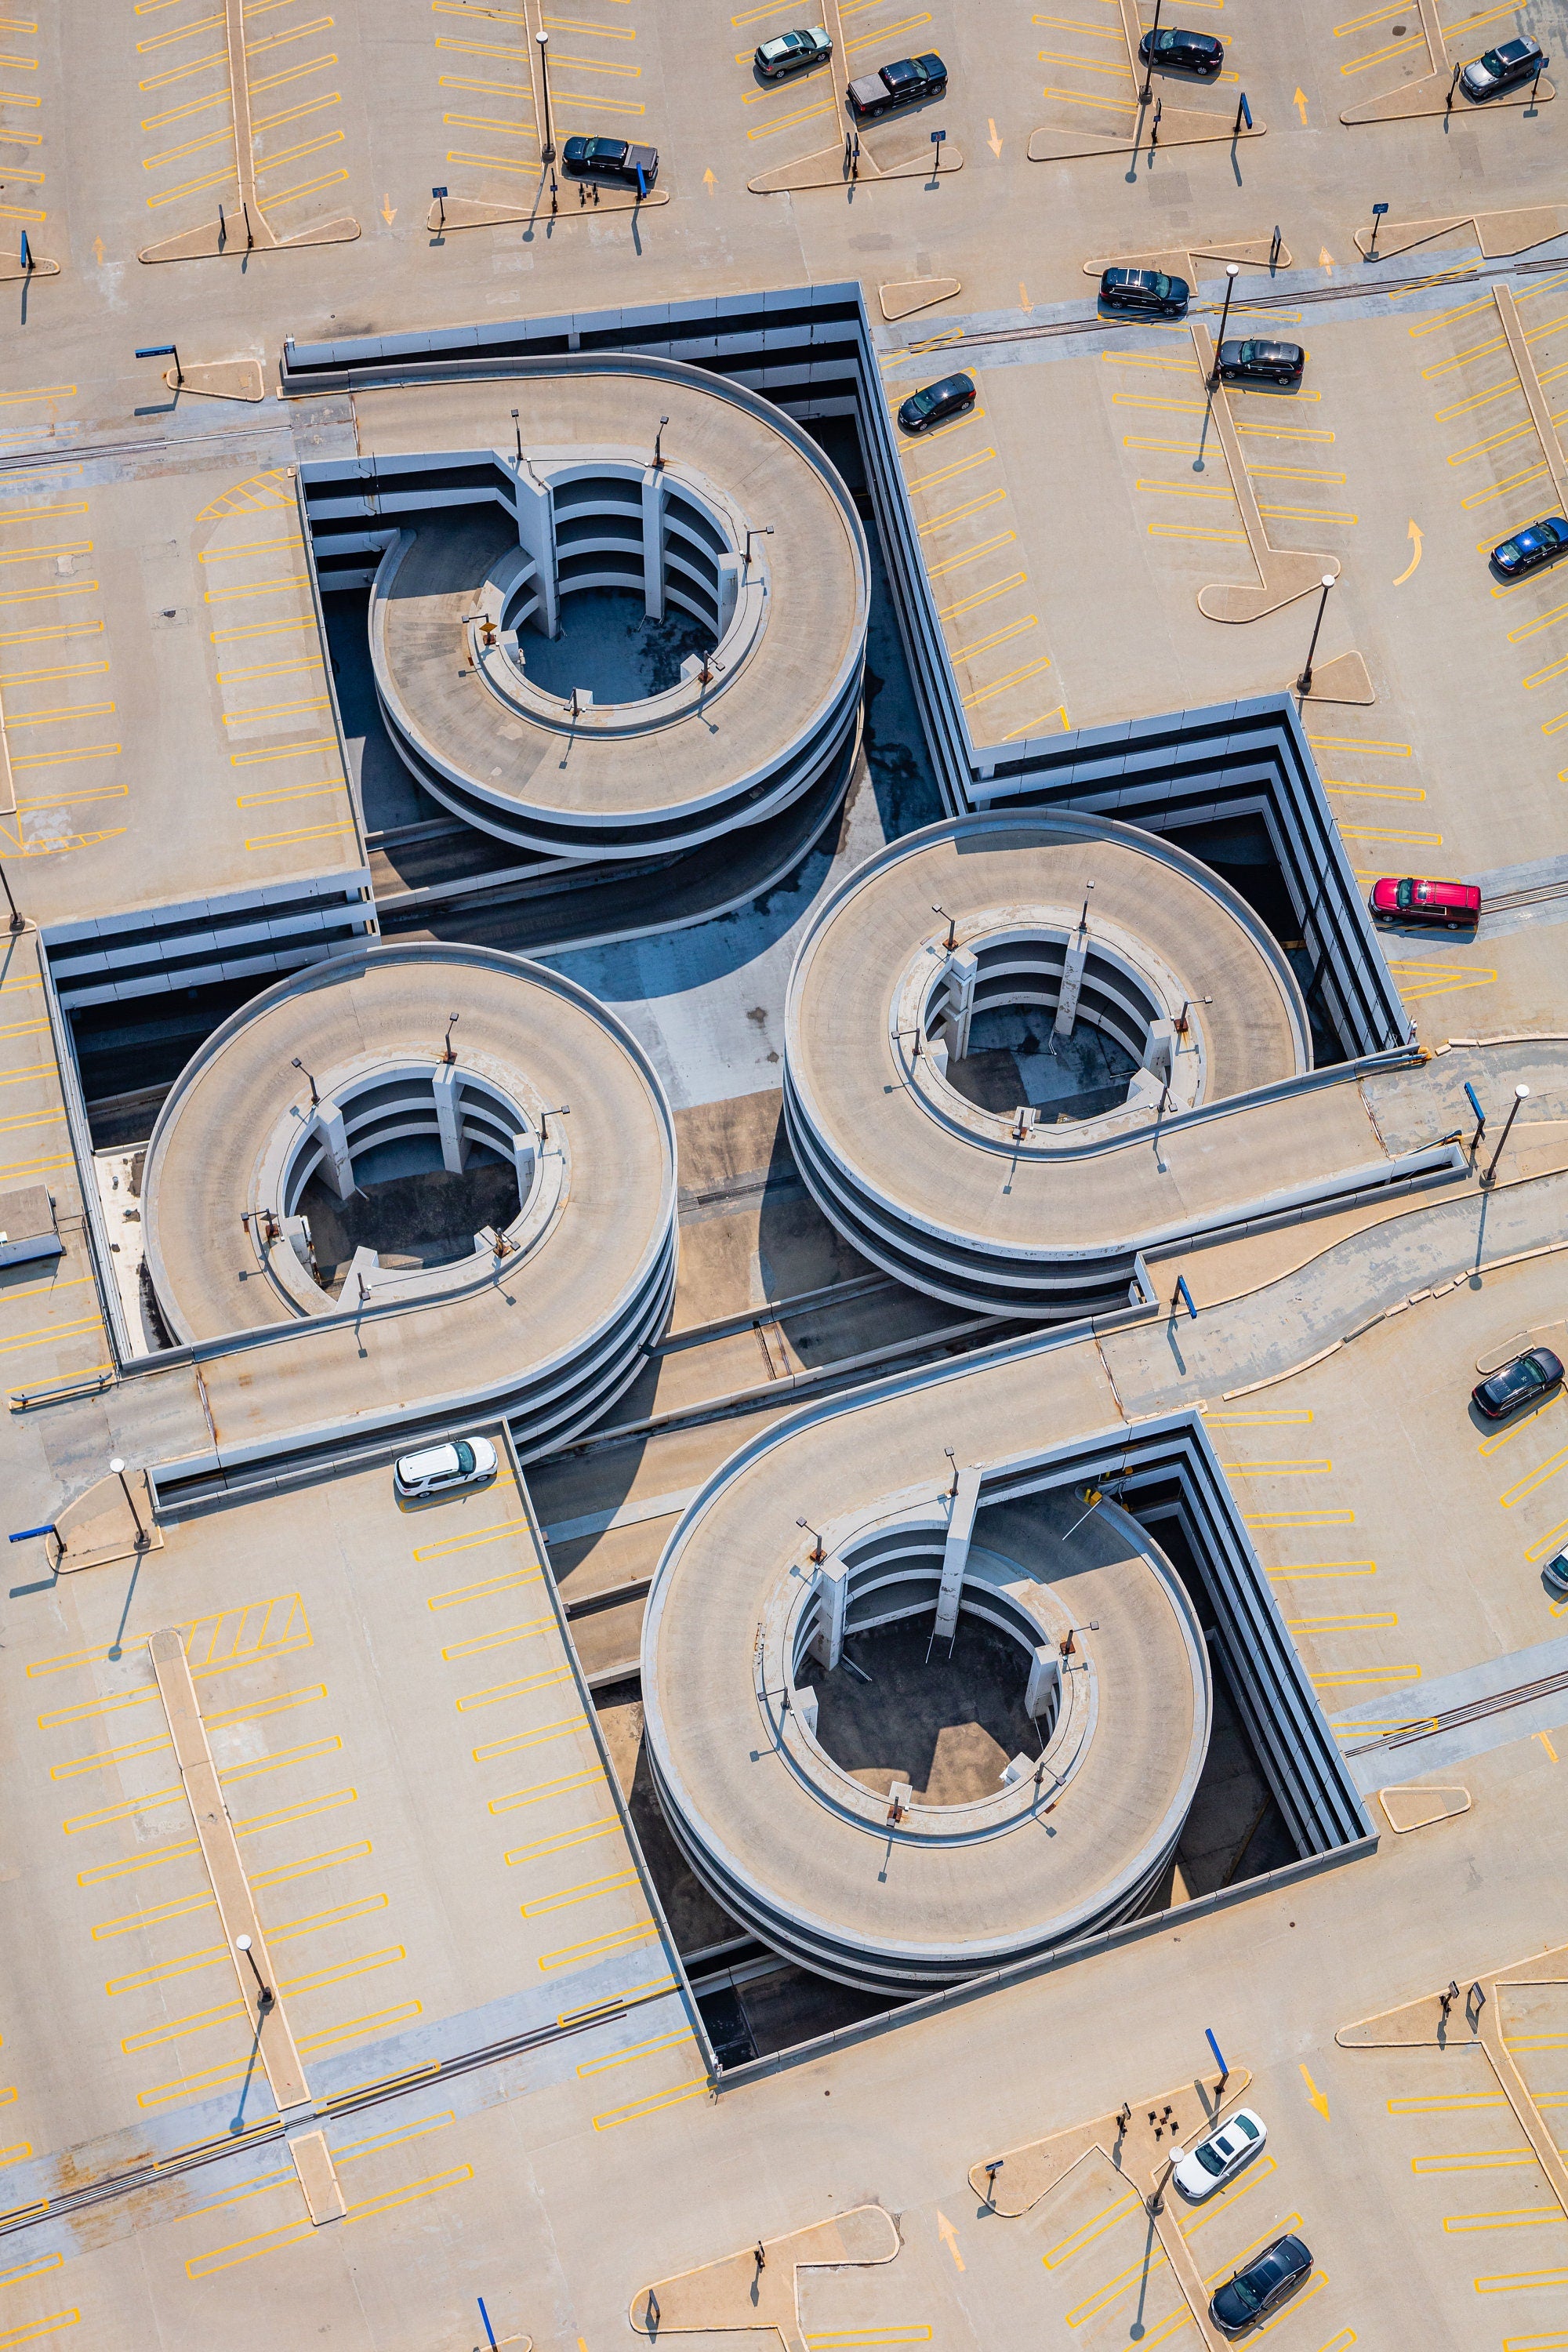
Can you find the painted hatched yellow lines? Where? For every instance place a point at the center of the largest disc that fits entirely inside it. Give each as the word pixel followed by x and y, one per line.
pixel 540 1792
pixel 1418 981
pixel 294 2233
pixel 530 1630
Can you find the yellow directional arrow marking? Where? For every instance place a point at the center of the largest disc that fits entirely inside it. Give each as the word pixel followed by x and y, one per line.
pixel 1315 2094
pixel 949 2236
pixel 708 181
pixel 388 210
pixel 1325 258
pixel 1024 302
pixel 1412 533
pixel 1300 103
pixel 97 248
pixel 992 142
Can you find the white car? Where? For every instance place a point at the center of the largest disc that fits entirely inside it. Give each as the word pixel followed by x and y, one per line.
pixel 442 1469
pixel 1221 2153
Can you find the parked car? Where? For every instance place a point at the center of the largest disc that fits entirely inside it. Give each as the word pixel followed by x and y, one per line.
pixel 1556 1572
pixel 1258 362
pixel 1197 53
pixel 1456 904
pixel 1259 2285
pixel 442 1469
pixel 610 159
pixel 1144 289
pixel 1542 542
pixel 1219 2154
pixel 903 83
pixel 935 403
pixel 790 53
pixel 1502 68
pixel 1524 1381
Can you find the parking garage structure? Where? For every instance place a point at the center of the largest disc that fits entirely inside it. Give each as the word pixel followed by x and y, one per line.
pixel 482 513
pixel 1025 1053
pixel 434 1177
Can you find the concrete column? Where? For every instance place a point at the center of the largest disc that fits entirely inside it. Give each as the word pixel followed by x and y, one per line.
pixel 1072 982
pixel 653 543
pixel 962 973
pixel 337 1165
pixel 1160 1053
pixel 1044 1681
pixel 832 1603
pixel 805 1709
pixel 728 590
pixel 525 1159
pixel 536 532
pixel 955 1551
pixel 448 1119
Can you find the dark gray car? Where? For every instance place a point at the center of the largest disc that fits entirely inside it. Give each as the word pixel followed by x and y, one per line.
pixel 1259 2285
pixel 1149 290
pixel 1258 362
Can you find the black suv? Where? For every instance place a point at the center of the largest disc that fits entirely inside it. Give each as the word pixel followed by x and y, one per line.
pixel 1144 289
pixel 1256 361
pixel 1259 2285
pixel 1197 53
pixel 904 83
pixel 610 159
pixel 935 403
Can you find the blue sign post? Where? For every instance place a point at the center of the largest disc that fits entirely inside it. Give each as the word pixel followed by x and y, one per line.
pixel 1219 2056
pixel 490 2331
pixel 1481 1115
pixel 1377 212
pixel 1243 114
pixel 1185 1296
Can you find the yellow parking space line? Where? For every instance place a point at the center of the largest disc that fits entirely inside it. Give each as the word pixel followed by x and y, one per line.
pixel 46 554
pixel 961 513
pixel 1307 514
pixel 1490 1445
pixel 262 629
pixel 681 2033
pixel 1072 98
pixel 1324 1572
pixel 1492 443
pixel 1076 25
pixel 601 32
pixel 950 472
pixel 1542 676
pixel 1382 1621
pixel 971 556
pixel 1475 2160
pixel 490 1750
pixel 1548 1542
pixel 895 396
pixel 1282 1468
pixel 37 676
pixel 563 1838
pixel 129 1866
pixel 1004 684
pixel 1299 1416
pixel 360 2029
pixel 1270 473
pixel 1517 2282
pixel 1095 2227
pixel 1366 750
pixel 1120 71
pixel 294 581
pixel 651 2106
pixel 262 753
pixel 595 1948
pixel 471 1542
pixel 894 32
pixel 322 791
pixel 998 637
pixel 180 1906
pixel 64 716
pixel 587 1890
pixel 294 2233
pixel 269 670
pixel 1325 1518
pixel 41 2266
pixel 1502 489
pixel 301 832
pixel 1155 401
pixel 1377 791
pixel 253 1711
pixel 1467 2103
pixel 952 612
pixel 540 1792
pixel 484 1589
pixel 32 2328
pixel 160 1798
pixel 1360 1674
pixel 22 1341
pixel 1534 1478
pixel 527 1632
pixel 1058 711
pixel 1184 530
pixel 1147 360
pixel 1381 833
pixel 495 1693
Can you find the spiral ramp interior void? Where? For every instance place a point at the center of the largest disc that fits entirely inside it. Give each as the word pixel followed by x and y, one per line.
pixel 750 1706
pixel 1170 1093
pixel 475 535
pixel 426 1179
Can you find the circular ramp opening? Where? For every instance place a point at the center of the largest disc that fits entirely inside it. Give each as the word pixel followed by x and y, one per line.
pixel 947 1726
pixel 1016 1057
pixel 413 1215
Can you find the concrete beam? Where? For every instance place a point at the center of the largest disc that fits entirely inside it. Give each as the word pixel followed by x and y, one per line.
pixel 955 1551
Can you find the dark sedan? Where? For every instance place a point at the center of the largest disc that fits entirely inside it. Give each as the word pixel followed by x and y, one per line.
pixel 1259 2285
pixel 903 83
pixel 1542 542
pixel 611 159
pixel 1195 53
pixel 1524 1381
pixel 1256 361
pixel 1144 289
pixel 1503 67
pixel 934 404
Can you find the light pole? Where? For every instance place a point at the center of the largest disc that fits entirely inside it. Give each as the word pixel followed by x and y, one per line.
pixel 448 1053
pixel 951 921
pixel 117 1466
pixel 816 1551
pixel 658 446
pixel 18 922
pixel 1149 70
pixel 518 430
pixel 1232 272
pixel 764 531
pixel 1518 1095
pixel 547 152
pixel 1304 683
pixel 265 1996
pixel 315 1097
